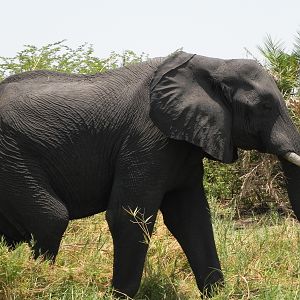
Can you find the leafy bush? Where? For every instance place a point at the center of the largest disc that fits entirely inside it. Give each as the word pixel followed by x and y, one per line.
pixel 60 57
pixel 283 66
pixel 254 184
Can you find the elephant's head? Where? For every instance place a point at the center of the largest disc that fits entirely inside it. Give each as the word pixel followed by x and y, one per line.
pixel 221 105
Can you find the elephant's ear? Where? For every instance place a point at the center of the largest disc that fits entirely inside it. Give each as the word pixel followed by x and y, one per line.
pixel 185 106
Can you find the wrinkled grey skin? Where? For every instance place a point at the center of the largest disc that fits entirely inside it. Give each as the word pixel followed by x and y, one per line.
pixel 72 146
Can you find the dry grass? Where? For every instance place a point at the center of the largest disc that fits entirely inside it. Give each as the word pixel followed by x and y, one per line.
pixel 260 258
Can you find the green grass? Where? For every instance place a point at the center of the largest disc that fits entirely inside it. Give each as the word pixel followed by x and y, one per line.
pixel 260 258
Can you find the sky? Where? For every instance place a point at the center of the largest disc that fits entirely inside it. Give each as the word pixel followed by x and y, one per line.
pixel 157 27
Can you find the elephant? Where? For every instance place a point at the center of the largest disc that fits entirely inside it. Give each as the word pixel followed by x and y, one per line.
pixel 72 146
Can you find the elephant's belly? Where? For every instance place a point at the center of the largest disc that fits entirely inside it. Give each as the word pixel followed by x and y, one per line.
pixel 84 195
pixel 83 179
pixel 88 205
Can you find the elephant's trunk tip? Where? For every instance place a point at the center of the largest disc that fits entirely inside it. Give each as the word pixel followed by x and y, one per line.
pixel 293 158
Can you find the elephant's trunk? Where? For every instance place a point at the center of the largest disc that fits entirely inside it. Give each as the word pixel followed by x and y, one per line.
pixel 291 168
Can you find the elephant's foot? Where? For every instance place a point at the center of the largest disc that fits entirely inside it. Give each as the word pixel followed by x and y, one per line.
pixel 212 284
pixel 118 295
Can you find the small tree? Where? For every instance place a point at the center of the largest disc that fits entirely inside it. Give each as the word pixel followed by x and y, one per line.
pixel 283 66
pixel 60 57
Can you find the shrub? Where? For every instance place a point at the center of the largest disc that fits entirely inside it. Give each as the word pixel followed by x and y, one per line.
pixel 60 57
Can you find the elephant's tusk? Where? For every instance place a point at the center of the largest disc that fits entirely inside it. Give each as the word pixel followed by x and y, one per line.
pixel 293 158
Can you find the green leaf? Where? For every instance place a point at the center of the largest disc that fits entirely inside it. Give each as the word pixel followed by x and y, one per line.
pixel 60 57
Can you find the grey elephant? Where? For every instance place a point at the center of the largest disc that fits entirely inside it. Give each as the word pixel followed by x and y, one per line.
pixel 75 145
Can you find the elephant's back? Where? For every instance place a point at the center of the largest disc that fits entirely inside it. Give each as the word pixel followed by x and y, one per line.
pixel 50 77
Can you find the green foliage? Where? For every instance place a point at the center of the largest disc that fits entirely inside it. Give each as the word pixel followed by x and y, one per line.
pixel 220 180
pixel 129 57
pixel 60 57
pixel 252 185
pixel 283 66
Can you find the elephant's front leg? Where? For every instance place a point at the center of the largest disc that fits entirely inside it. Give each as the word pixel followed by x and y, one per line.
pixel 130 207
pixel 186 214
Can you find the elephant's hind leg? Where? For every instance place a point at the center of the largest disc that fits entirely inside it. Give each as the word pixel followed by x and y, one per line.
pixel 9 234
pixel 44 219
pixel 33 209
pixel 50 223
